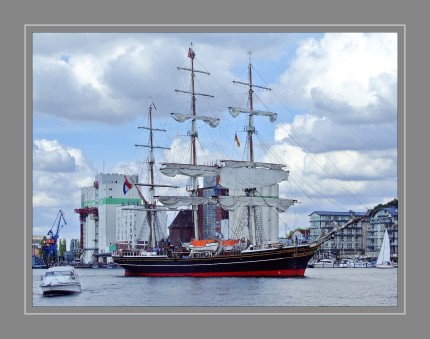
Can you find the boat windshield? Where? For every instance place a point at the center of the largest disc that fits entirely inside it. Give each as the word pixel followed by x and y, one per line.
pixel 57 273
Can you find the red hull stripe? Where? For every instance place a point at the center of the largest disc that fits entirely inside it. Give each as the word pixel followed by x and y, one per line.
pixel 273 273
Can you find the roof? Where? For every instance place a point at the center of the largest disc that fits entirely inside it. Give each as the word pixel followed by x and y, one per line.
pixel 184 219
pixel 346 214
pixel 392 210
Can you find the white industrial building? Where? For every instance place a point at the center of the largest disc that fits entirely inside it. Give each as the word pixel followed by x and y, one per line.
pixel 98 220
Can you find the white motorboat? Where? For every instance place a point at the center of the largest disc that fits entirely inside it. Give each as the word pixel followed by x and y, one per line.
pixel 344 263
pixel 359 263
pixel 324 263
pixel 60 280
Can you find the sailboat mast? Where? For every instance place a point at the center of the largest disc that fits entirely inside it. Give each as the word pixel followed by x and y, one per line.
pixel 193 121
pixel 193 150
pixel 251 112
pixel 151 206
pixel 194 133
pixel 251 116
pixel 151 157
pixel 151 215
pixel 251 130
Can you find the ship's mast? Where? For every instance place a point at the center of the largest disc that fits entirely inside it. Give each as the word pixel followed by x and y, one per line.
pixel 151 206
pixel 251 127
pixel 251 131
pixel 251 117
pixel 194 133
pixel 239 176
pixel 193 123
pixel 151 157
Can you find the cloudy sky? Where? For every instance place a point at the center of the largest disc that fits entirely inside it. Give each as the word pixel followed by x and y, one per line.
pixel 335 95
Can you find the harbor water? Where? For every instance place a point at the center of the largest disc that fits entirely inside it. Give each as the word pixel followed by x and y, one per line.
pixel 320 287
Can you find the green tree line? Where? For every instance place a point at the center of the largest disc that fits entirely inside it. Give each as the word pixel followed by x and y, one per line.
pixel 392 203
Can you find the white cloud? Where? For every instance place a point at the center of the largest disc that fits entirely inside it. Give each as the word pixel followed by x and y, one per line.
pixel 352 165
pixel 109 78
pixel 341 149
pixel 43 199
pixel 58 174
pixel 49 156
pixel 318 135
pixel 338 64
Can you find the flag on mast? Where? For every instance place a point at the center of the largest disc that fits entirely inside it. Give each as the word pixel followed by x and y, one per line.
pixel 127 186
pixel 237 140
pixel 191 53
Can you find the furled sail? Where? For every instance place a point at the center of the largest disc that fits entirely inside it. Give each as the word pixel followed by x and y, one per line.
pixel 241 163
pixel 173 169
pixel 174 202
pixel 246 177
pixel 212 122
pixel 234 111
pixel 231 203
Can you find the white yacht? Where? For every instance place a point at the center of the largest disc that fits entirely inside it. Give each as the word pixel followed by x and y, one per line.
pixel 324 263
pixel 60 280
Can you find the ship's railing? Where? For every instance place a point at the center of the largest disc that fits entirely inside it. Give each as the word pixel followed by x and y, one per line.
pixel 268 245
pixel 179 254
pixel 137 253
pixel 127 253
pixel 265 246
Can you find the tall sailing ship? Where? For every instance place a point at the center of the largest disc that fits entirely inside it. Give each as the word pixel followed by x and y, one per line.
pixel 250 254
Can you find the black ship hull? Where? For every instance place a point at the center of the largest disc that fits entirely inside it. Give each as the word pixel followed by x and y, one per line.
pixel 280 262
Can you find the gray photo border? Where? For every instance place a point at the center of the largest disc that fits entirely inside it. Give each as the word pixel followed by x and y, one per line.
pixel 399 29
pixel 17 322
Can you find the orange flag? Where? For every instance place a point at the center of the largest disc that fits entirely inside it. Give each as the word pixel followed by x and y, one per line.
pixel 237 140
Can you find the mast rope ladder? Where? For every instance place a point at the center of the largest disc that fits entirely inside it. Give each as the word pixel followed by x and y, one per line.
pixel 242 223
pixel 141 228
pixel 258 225
pixel 158 229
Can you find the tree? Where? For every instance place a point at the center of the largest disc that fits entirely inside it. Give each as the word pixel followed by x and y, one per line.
pixel 62 247
pixel 392 203
pixel 41 243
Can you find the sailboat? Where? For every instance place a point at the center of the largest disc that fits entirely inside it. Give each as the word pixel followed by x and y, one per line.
pixel 249 254
pixel 384 260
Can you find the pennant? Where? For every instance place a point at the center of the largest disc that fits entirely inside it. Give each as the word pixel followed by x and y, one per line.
pixel 127 186
pixel 237 140
pixel 191 53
